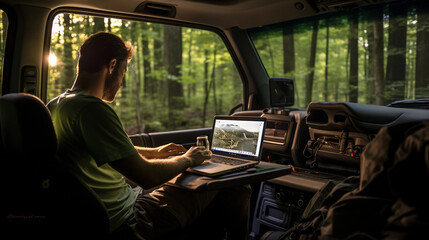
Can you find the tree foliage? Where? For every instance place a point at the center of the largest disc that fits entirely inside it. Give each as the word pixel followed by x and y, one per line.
pixel 371 56
pixel 3 31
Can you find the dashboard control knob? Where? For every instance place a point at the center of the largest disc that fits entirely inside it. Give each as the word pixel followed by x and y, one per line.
pixel 280 196
pixel 300 202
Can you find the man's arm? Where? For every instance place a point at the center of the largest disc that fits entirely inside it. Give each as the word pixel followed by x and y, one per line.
pixel 151 173
pixel 163 151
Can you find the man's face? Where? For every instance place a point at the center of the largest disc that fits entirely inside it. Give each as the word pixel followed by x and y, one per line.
pixel 114 81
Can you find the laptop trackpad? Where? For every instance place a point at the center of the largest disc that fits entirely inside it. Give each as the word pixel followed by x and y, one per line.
pixel 207 165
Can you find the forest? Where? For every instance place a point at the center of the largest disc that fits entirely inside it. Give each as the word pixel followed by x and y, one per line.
pixel 371 56
pixel 179 77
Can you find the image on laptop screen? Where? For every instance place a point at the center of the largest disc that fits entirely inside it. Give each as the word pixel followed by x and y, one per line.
pixel 237 137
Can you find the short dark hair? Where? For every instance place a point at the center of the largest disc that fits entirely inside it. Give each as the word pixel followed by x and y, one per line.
pixel 99 48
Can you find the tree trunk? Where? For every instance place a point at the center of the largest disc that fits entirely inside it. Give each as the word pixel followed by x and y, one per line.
pixel 422 56
pixel 354 55
pixel 4 30
pixel 326 90
pixel 173 62
pixel 98 25
pixel 87 26
pixel 288 51
pixel 190 72
pixel 124 81
pixel 378 57
pixel 136 88
pixel 220 83
pixel 206 85
pixel 148 82
pixel 68 73
pixel 109 25
pixel 137 97
pixel 3 39
pixel 311 63
pixel 396 48
pixel 213 79
pixel 158 83
pixel 369 73
pixel 272 61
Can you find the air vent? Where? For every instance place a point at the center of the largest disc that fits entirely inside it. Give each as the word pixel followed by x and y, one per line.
pixel 339 118
pixel 317 116
pixel 151 8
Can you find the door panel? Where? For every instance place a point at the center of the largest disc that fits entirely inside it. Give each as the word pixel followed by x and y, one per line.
pixel 141 140
pixel 185 137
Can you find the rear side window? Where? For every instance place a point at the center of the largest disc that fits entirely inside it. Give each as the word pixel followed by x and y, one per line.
pixel 179 78
pixel 374 55
pixel 3 31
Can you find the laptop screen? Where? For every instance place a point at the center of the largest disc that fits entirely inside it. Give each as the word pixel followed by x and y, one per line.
pixel 238 136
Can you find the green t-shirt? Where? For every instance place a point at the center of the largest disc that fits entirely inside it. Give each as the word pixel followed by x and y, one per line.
pixel 90 135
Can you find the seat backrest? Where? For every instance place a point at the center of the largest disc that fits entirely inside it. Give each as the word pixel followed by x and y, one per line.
pixel 43 199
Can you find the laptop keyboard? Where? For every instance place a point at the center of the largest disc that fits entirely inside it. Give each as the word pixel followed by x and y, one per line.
pixel 227 161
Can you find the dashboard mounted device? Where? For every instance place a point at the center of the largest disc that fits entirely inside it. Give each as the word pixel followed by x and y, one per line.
pixel 281 92
pixel 286 133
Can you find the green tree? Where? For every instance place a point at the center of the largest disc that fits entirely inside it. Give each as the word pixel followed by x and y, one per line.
pixel 311 63
pixel 422 56
pixel 147 69
pixel 378 56
pixel 325 90
pixel 354 55
pixel 68 72
pixel 396 49
pixel 288 50
pixel 173 62
pixel 98 25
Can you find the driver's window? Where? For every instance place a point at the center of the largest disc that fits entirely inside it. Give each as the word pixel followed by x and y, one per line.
pixel 179 78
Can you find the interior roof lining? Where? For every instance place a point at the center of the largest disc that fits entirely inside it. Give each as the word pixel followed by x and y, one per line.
pixel 243 14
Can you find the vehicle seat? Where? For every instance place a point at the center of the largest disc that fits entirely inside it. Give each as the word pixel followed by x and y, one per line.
pixel 41 199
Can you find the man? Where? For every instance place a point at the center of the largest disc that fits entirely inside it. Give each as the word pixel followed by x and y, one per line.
pixel 93 144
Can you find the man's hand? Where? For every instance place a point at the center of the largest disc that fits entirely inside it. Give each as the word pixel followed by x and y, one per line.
pixel 197 155
pixel 150 173
pixel 167 150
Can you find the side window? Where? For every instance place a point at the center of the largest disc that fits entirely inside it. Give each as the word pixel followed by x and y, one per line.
pixel 3 31
pixel 179 78
pixel 375 55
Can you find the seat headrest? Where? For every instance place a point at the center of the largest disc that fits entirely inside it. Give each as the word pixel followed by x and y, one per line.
pixel 26 126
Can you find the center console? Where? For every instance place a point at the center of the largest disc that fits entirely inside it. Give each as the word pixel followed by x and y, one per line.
pixel 282 200
pixel 286 135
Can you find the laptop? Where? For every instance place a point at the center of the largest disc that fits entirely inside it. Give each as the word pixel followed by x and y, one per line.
pixel 236 144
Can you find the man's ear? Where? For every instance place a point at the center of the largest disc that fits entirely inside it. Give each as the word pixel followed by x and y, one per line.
pixel 112 65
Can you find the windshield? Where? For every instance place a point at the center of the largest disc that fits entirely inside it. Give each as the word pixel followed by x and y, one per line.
pixel 375 55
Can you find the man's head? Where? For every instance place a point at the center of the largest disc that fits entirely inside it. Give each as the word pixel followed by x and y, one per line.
pixel 106 50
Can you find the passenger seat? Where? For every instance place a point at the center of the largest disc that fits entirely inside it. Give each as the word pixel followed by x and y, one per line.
pixel 41 199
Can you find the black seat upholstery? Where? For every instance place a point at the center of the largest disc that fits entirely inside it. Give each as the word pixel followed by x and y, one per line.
pixel 41 199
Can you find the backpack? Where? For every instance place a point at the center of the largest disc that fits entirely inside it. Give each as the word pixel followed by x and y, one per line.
pixel 387 201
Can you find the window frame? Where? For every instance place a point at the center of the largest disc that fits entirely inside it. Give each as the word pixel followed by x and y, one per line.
pixel 9 48
pixel 106 14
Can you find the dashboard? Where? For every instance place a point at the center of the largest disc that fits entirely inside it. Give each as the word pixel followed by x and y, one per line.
pixel 328 136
